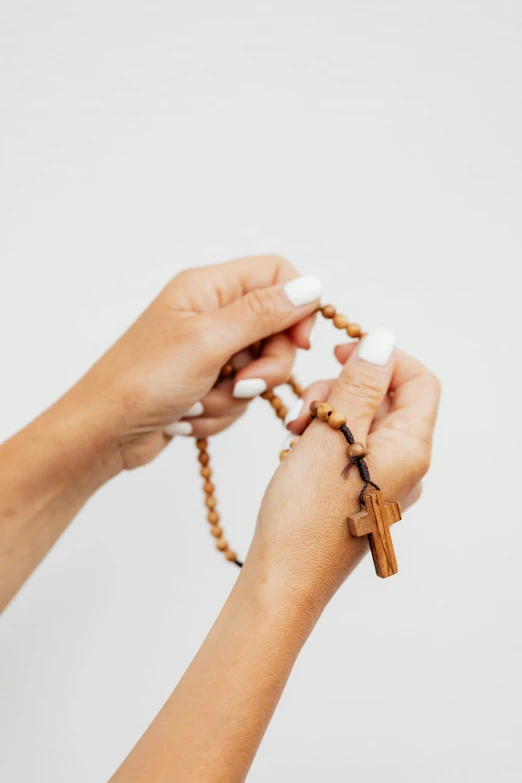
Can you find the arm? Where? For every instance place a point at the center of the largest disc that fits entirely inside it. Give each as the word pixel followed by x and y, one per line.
pixel 49 470
pixel 127 407
pixel 211 726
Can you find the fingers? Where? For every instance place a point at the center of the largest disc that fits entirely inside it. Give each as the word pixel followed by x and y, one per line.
pixel 200 428
pixel 271 369
pixel 414 404
pixel 262 312
pixel 400 443
pixel 344 351
pixel 220 402
pixel 217 410
pixel 300 332
pixel 416 395
pixel 298 417
pixel 233 279
pixel 248 274
pixel 412 496
pixel 364 381
pixel 218 285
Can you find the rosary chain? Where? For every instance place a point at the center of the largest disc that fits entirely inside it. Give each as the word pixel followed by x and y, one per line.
pixel 342 323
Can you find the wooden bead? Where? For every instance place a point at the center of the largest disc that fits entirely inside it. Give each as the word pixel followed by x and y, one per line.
pixel 340 321
pixel 356 450
pixel 328 311
pixel 323 411
pixel 227 371
pixel 336 420
pixel 314 406
pixel 296 387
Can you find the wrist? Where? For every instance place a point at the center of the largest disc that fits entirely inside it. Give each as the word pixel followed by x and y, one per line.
pixel 86 447
pixel 264 601
pixel 281 596
pixel 302 563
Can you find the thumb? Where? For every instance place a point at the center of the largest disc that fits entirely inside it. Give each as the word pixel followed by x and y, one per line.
pixel 364 381
pixel 266 311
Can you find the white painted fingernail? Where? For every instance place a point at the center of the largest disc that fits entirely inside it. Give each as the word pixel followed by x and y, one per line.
pixel 377 347
pixel 287 441
pixel 178 428
pixel 196 410
pixel 250 387
pixel 293 413
pixel 303 290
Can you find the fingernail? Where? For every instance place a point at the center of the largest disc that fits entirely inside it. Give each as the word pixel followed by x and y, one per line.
pixel 377 347
pixel 179 428
pixel 287 441
pixel 250 387
pixel 293 413
pixel 303 290
pixel 196 410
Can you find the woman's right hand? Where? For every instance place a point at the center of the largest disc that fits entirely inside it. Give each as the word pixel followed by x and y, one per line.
pixel 212 724
pixel 302 543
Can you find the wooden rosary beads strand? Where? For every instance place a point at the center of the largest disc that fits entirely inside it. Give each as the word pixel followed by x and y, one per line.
pixel 228 371
pixel 376 515
pixel 211 502
pixel 356 452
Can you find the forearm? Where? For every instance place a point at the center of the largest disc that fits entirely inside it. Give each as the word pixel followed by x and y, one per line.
pixel 48 471
pixel 211 726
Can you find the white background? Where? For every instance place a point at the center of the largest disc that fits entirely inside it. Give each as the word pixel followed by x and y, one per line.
pixel 376 144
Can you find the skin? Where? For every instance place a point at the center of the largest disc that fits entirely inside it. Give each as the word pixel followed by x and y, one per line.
pixel 302 551
pixel 114 418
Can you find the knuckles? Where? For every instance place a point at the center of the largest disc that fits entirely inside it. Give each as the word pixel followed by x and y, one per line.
pixel 423 461
pixel 262 305
pixel 366 390
pixel 436 383
pixel 419 459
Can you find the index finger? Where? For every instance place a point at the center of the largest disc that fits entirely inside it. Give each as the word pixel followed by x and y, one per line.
pixel 415 398
pixel 415 394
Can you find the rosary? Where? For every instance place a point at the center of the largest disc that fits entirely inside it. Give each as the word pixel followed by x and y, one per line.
pixel 376 515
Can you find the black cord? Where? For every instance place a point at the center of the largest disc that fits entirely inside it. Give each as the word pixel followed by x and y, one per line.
pixel 361 464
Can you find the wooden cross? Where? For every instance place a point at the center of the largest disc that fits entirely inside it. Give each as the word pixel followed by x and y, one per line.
pixel 374 521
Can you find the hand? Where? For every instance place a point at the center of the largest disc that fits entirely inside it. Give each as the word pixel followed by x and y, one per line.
pixel 158 379
pixel 302 541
